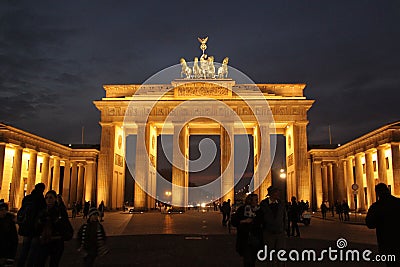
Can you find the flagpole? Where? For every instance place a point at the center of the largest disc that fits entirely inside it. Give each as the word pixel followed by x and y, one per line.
pixel 83 133
pixel 330 135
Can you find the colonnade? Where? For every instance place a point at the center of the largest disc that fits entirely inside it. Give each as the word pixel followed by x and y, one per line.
pixel 26 159
pixel 342 175
pixel 145 185
pixel 22 168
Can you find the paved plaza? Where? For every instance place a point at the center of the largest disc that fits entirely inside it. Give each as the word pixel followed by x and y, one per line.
pixel 198 239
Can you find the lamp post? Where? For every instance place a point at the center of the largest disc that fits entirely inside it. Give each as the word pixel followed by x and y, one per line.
pixel 282 173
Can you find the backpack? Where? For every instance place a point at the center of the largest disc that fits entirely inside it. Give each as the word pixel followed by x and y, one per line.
pixel 68 230
pixel 25 216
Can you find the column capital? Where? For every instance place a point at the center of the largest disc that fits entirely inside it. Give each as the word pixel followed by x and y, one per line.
pixel 44 154
pixel 18 147
pixel 300 123
pixel 29 150
pixel 359 154
pixel 383 146
pixel 370 151
pixel 106 124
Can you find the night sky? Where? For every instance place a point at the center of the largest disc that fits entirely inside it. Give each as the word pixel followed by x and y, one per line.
pixel 56 55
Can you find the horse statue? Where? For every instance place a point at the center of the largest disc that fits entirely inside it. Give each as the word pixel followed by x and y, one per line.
pixel 211 67
pixel 197 73
pixel 185 69
pixel 223 70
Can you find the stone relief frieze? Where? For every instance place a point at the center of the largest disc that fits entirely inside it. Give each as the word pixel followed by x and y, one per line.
pixel 201 89
pixel 206 110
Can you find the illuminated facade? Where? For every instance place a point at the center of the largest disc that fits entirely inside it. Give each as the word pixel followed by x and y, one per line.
pixel 322 174
pixel 287 103
pixel 365 161
pixel 27 159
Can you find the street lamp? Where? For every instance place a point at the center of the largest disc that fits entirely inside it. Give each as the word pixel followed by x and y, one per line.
pixel 168 193
pixel 282 173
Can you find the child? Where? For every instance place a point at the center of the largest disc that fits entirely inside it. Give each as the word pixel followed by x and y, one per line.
pixel 91 237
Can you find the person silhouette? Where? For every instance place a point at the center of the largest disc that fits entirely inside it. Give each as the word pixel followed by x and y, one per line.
pixel 384 216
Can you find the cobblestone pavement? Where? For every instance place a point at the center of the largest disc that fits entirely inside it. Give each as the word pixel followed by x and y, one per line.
pixel 198 239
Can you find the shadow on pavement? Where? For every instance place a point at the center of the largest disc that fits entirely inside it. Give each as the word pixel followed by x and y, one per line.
pixel 192 250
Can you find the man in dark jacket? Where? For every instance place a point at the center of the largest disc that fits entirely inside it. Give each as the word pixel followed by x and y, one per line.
pixel 248 221
pixel 274 221
pixel 226 211
pixel 32 205
pixel 384 216
pixel 294 217
pixel 9 237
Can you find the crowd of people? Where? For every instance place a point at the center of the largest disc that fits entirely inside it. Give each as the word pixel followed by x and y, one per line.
pixel 259 224
pixel 44 226
pixel 342 209
pixel 270 221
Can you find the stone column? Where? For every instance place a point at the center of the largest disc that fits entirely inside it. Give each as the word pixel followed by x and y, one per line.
pixel 2 158
pixel 45 170
pixel 317 183
pixel 16 188
pixel 152 180
pixel 106 164
pixel 369 172
pixel 300 158
pixel 265 160
pixel 66 183
pixel 360 182
pixel 31 171
pixel 396 169
pixel 56 175
pixel 382 171
pixel 227 162
pixel 330 184
pixel 90 191
pixel 142 166
pixel 325 182
pixel 180 178
pixel 256 159
pixel 350 181
pixel 74 182
pixel 79 193
pixel 339 181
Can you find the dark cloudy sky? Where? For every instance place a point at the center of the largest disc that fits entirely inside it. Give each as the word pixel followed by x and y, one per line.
pixel 56 55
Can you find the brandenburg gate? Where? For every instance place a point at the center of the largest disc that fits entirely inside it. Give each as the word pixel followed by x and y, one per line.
pixel 200 103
